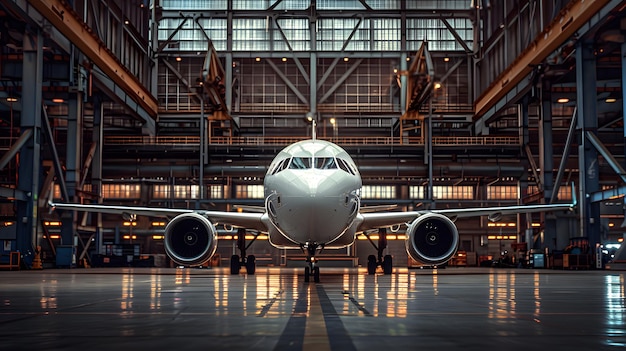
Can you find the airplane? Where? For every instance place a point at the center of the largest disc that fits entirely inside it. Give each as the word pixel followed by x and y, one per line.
pixel 312 202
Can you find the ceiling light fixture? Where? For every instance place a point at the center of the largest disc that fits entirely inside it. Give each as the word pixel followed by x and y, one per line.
pixel 562 100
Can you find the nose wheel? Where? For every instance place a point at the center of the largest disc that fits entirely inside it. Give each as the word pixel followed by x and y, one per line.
pixel 311 268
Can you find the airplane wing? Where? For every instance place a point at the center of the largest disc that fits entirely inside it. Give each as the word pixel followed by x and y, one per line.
pixel 368 221
pixel 236 219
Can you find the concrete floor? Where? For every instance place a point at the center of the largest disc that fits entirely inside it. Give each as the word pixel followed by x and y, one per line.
pixel 191 309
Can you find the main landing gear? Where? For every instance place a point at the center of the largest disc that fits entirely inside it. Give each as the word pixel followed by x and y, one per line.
pixel 385 261
pixel 249 262
pixel 311 269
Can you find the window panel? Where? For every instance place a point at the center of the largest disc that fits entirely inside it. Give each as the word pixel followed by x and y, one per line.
pixel 506 192
pixel 121 191
pixel 450 192
pixel 249 191
pixel 378 192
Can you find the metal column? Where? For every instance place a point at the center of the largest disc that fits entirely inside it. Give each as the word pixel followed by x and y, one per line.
pixel 587 154
pixel 96 168
pixel 30 154
pixel 546 164
pixel 524 220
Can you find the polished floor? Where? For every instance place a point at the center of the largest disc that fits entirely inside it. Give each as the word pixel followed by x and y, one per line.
pixel 191 309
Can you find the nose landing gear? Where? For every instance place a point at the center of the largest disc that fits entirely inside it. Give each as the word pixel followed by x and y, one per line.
pixel 312 268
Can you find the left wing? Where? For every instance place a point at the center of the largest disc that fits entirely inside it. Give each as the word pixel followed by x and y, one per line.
pixel 368 221
pixel 236 219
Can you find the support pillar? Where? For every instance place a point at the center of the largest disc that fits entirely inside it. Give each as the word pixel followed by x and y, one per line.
pixel 546 165
pixel 587 155
pixel 29 170
pixel 96 168
pixel 524 220
pixel 623 52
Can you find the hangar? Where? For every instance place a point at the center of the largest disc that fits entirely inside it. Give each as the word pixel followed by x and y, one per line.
pixel 442 105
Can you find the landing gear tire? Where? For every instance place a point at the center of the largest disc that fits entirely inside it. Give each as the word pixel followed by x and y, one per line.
pixel 251 264
pixel 371 264
pixel 316 274
pixel 307 273
pixel 387 264
pixel 235 265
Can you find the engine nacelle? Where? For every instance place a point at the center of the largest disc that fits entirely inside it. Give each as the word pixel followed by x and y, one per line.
pixel 190 239
pixel 432 239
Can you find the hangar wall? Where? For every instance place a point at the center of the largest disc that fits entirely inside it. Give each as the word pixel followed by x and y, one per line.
pixel 131 123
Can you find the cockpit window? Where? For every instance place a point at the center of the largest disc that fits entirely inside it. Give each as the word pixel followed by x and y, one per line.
pixel 345 166
pixel 325 163
pixel 280 166
pixel 300 163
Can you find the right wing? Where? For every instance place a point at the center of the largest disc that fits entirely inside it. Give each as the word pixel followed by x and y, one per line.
pixel 254 221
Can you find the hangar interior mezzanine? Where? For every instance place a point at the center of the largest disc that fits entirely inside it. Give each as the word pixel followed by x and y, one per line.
pixel 442 104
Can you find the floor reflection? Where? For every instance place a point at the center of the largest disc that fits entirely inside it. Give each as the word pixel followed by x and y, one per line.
pixel 615 309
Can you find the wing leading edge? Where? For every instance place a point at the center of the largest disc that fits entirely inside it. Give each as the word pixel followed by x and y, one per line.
pixel 254 221
pixel 368 221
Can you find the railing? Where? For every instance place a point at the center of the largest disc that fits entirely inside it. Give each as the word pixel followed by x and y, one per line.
pixel 270 140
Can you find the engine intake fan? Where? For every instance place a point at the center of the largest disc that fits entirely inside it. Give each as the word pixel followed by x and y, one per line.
pixel 190 239
pixel 432 239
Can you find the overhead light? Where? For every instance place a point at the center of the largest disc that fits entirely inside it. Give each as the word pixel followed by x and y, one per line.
pixel 126 22
pixel 408 58
pixel 562 100
pixel 610 100
pixel 446 59
pixel 178 58
pixel 58 100
pixel 11 99
pixel 258 59
pixel 333 121
pixel 346 59
pixel 437 86
pixel 284 59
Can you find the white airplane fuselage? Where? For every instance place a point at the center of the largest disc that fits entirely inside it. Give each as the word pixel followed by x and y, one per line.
pixel 312 192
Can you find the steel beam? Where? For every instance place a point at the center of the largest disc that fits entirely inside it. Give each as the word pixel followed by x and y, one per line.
pixel 15 148
pixel 589 173
pixel 29 169
pixel 546 165
pixel 285 79
pixel 456 35
pixel 296 60
pixel 568 143
pixel 341 80
pixel 68 22
pixel 617 168
pixel 564 25
pixel 607 194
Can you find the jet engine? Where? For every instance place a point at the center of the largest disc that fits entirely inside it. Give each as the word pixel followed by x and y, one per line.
pixel 190 239
pixel 432 239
